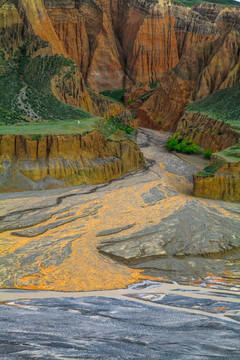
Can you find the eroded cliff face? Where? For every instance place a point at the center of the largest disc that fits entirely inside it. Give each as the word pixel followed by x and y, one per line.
pixel 70 88
pixel 36 20
pixel 27 25
pixel 204 69
pixel 117 43
pixel 223 185
pixel 13 32
pixel 58 161
pixel 208 133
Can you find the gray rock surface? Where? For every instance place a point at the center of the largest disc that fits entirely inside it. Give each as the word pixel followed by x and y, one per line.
pixel 115 230
pixel 193 230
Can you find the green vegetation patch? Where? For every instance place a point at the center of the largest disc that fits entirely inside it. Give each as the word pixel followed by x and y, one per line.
pixel 208 154
pixel 10 118
pixel 212 168
pixel 154 85
pixel 117 94
pixel 25 87
pixel 191 3
pixel 223 105
pixel 50 127
pixel 122 124
pixel 231 154
pixel 178 144
pixel 116 128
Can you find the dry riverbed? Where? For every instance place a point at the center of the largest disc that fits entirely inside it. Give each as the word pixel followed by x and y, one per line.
pixel 145 225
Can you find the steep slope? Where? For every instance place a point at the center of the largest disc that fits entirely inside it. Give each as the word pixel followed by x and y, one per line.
pixel 46 138
pixel 204 69
pixel 35 17
pixel 21 27
pixel 221 179
pixel 117 43
pixel 214 123
pixel 44 162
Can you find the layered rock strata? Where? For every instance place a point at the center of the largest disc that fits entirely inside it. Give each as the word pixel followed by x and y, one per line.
pixel 117 43
pixel 25 24
pixel 208 133
pixel 58 161
pixel 223 184
pixel 203 69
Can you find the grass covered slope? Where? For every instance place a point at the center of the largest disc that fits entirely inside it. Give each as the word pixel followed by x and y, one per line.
pixel 49 127
pixel 117 94
pixel 25 88
pixel 220 180
pixel 231 154
pixel 223 105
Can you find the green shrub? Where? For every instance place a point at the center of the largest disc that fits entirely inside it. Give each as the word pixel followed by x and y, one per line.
pixel 129 129
pixel 154 85
pixel 159 121
pixel 171 143
pixel 208 154
pixel 183 146
pixel 121 123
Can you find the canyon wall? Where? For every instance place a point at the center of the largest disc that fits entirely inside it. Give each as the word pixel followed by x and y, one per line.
pixel 29 163
pixel 208 133
pixel 117 43
pixel 26 25
pixel 201 71
pixel 224 184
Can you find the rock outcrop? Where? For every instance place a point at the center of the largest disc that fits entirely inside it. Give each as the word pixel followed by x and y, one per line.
pixel 58 161
pixel 203 69
pixel 191 231
pixel 208 133
pixel 70 88
pixel 222 184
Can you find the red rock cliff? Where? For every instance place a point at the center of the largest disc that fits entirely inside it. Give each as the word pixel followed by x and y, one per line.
pixel 117 43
